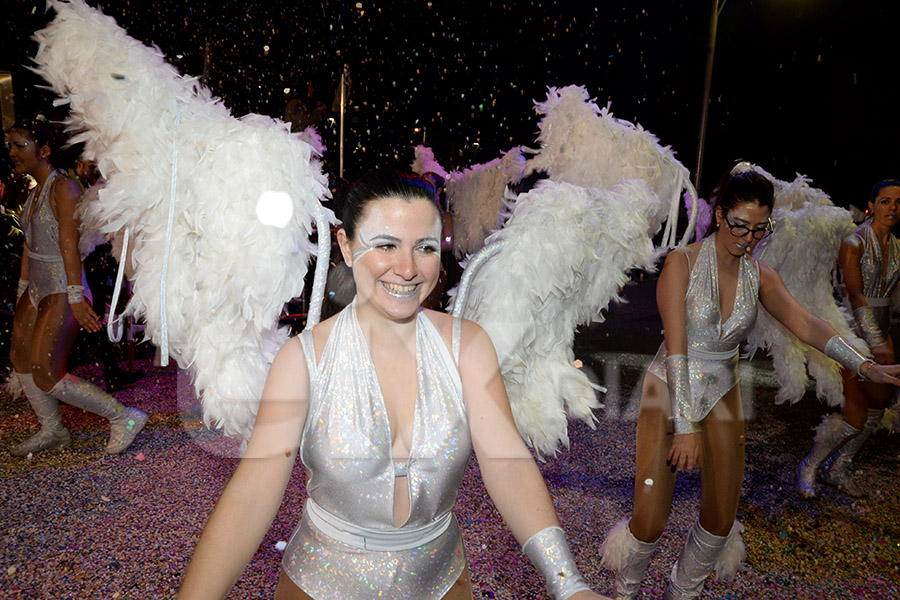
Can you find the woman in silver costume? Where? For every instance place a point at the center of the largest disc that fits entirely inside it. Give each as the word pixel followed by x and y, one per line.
pixel 691 412
pixel 869 262
pixel 50 303
pixel 383 403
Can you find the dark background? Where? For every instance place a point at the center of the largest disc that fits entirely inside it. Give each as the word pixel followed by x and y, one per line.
pixel 806 86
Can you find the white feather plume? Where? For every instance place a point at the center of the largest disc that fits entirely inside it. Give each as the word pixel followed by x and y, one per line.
pixel 587 146
pixel 566 254
pixel 425 162
pixel 229 275
pixel 803 250
pixel 477 197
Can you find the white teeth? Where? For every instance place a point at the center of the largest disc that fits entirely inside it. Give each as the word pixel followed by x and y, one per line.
pixel 399 291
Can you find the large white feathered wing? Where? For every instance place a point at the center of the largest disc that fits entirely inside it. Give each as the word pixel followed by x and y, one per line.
pixel 477 195
pixel 565 254
pixel 224 273
pixel 587 146
pixel 803 250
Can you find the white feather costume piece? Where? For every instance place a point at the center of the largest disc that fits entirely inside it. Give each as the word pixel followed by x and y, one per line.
pixel 587 146
pixel 803 250
pixel 424 162
pixel 229 275
pixel 565 254
pixel 477 197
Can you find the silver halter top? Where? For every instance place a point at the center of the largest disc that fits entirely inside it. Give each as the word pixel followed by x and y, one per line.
pixel 46 268
pixel 880 274
pixel 347 545
pixel 712 344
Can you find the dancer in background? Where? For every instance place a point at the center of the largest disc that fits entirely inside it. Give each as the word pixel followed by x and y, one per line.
pixel 869 263
pixel 53 300
pixel 691 412
pixel 383 403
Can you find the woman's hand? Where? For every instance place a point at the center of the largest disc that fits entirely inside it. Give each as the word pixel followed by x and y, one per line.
pixel 882 373
pixel 684 455
pixel 86 316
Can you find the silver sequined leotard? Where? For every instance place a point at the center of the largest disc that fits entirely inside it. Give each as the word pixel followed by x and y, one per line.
pixel 880 275
pixel 712 345
pixel 46 269
pixel 346 545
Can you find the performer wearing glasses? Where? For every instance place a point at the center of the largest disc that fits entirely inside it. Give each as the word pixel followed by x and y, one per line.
pixel 690 412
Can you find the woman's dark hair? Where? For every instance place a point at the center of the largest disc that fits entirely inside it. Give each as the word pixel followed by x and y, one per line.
pixel 377 184
pixel 45 133
pixel 876 189
pixel 742 186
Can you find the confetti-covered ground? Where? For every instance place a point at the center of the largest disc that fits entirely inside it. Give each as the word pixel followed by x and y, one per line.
pixel 81 524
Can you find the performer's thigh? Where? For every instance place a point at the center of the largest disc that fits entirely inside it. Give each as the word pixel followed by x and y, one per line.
pixel 462 589
pixel 288 590
pixel 878 395
pixel 22 334
pixel 654 479
pixel 722 467
pixel 55 330
pixel 856 401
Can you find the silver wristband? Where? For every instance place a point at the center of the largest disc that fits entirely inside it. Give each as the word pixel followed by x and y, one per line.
pixel 678 380
pixel 75 293
pixel 23 285
pixel 868 326
pixel 838 349
pixel 550 554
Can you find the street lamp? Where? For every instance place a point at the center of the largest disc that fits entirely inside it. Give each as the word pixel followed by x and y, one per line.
pixel 717 7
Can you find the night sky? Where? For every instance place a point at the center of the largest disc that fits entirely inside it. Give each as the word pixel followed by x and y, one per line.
pixel 805 86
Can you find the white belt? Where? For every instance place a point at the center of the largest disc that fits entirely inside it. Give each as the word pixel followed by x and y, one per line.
pixel 55 258
pixel 405 538
pixel 877 302
pixel 711 355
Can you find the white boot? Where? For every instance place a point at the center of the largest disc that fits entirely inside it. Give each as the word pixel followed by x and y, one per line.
pixel 52 434
pixel 124 422
pixel 703 552
pixel 832 433
pixel 628 557
pixel 838 474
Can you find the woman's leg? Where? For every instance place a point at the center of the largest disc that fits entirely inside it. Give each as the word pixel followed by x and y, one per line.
pixel 55 332
pixel 833 432
pixel 866 413
pixel 52 433
pixel 712 542
pixel 629 546
pixel 654 478
pixel 723 463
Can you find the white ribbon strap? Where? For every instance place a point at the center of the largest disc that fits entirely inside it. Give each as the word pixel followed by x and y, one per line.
pixel 115 335
pixel 164 334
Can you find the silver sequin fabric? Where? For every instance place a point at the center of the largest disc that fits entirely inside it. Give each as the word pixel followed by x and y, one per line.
pixel 710 379
pixel 880 274
pixel 346 449
pixel 46 270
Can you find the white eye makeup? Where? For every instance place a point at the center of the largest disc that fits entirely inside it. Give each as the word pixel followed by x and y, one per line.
pixel 376 232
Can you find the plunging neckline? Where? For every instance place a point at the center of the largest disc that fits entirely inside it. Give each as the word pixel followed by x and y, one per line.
pixel 380 392
pixel 724 322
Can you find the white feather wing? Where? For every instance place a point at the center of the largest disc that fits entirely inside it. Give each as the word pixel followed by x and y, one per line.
pixel 566 253
pixel 229 275
pixel 803 250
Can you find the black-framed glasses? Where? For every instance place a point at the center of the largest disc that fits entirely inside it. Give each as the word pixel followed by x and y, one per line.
pixel 742 230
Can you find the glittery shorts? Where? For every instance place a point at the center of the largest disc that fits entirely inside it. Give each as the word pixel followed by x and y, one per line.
pixel 325 568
